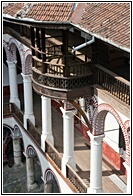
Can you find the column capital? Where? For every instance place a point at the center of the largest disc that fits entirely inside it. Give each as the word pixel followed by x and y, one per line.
pixel 11 64
pixel 95 137
pixel 26 78
pixel 68 113
pixel 44 98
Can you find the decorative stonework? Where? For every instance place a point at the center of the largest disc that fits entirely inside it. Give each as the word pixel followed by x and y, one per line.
pixel 25 54
pixel 7 50
pixel 91 102
pixel 98 124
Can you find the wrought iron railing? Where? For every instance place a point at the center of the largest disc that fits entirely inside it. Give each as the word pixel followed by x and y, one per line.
pixel 117 86
pixel 76 180
pixel 53 154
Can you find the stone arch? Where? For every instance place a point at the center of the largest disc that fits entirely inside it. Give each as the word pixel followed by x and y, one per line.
pixel 14 46
pixel 28 64
pixel 30 151
pixel 10 128
pixel 7 50
pixel 50 181
pixel 17 132
pixel 98 124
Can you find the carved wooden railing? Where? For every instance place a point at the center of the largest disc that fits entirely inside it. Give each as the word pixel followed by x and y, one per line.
pixel 53 50
pixel 117 86
pixel 53 154
pixel 53 81
pixel 76 180
pixel 34 133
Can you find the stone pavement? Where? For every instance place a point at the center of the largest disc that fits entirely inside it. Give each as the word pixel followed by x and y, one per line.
pixel 14 180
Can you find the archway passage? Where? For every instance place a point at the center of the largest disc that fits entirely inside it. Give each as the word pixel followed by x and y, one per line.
pixel 34 170
pixel 98 125
pixel 7 147
pixel 51 185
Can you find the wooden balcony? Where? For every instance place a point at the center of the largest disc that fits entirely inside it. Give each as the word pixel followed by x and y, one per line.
pixel 55 79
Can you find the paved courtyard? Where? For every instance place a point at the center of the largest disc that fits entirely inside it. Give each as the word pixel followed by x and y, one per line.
pixel 14 180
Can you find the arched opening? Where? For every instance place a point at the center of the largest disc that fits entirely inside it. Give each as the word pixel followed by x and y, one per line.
pixel 99 117
pixel 7 147
pixel 51 185
pixel 31 152
pixel 6 89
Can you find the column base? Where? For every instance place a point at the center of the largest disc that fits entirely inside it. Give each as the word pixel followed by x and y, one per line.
pixel 70 161
pixel 95 190
pixel 32 186
pixel 31 117
pixel 20 165
pixel 48 137
pixel 16 101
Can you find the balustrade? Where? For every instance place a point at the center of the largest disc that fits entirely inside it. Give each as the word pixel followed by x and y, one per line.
pixel 76 180
pixel 53 154
pixel 117 86
pixel 35 134
pixel 61 82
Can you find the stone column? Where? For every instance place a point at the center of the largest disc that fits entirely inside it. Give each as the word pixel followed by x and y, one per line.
pixel 68 140
pixel 46 122
pixel 13 83
pixel 128 169
pixel 31 184
pixel 28 100
pixel 96 164
pixel 17 152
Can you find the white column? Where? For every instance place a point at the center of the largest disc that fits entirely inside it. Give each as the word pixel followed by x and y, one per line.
pixel 46 122
pixel 17 152
pixel 28 100
pixel 96 164
pixel 31 184
pixel 128 169
pixel 13 83
pixel 82 105
pixel 68 140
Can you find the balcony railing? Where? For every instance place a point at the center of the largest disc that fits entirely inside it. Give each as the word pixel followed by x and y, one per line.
pixel 114 84
pixel 53 154
pixel 34 133
pixel 12 109
pixel 76 180
pixel 53 81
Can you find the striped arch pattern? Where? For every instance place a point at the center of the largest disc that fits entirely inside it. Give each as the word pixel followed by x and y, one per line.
pixel 93 101
pixel 14 45
pixel 98 125
pixel 7 50
pixel 30 152
pixel 28 62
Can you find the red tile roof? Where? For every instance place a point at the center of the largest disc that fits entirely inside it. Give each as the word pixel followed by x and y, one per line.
pixel 50 11
pixel 109 21
pixel 12 8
